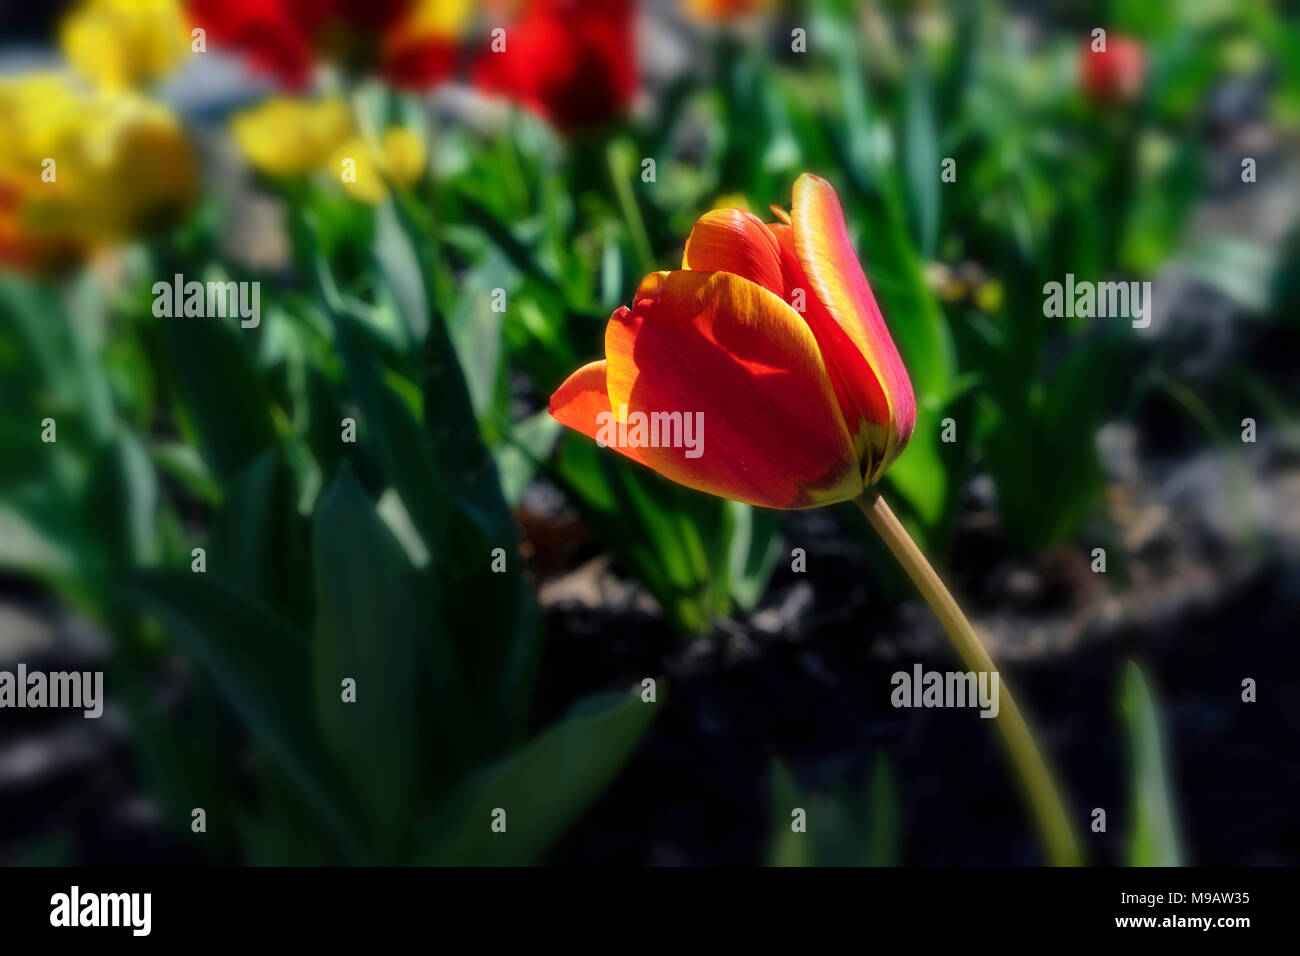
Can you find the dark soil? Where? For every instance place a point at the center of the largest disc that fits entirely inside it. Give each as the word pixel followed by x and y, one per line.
pixel 816 696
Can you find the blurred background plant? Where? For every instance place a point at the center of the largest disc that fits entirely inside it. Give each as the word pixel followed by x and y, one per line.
pixel 440 228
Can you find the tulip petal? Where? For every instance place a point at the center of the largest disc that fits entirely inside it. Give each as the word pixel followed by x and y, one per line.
pixel 821 243
pixel 580 402
pixel 735 241
pixel 725 348
pixel 861 398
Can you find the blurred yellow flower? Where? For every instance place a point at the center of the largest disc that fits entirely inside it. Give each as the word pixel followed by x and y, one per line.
pixel 727 9
pixel 38 114
pixel 298 137
pixel 125 43
pixel 358 172
pixel 732 201
pixel 284 136
pixel 404 156
pixel 436 18
pixel 989 296
pixel 85 169
pixel 140 166
pixel 401 163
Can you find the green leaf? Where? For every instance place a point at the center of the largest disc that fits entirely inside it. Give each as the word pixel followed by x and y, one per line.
pixel 27 547
pixel 475 329
pixel 257 542
pixel 920 475
pixel 788 848
pixel 43 339
pixel 399 268
pixel 543 787
pixel 755 547
pixel 123 501
pixel 219 391
pixel 261 667
pixel 368 621
pixel 657 529
pixel 845 827
pixel 523 258
pixel 452 432
pixel 921 154
pixel 1039 442
pixel 920 331
pixel 884 812
pixel 184 762
pixel 1153 839
pixel 399 442
pixel 1166 190
pixel 184 465
pixel 493 616
pixel 1241 270
pixel 86 315
pixel 529 442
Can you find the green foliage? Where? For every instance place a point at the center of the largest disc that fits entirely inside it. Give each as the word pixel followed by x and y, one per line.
pixel 693 553
pixel 539 802
pixel 844 827
pixel 1153 834
pixel 330 568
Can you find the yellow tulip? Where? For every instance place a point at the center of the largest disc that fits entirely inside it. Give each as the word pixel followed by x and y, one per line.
pixel 125 43
pixel 284 136
pixel 85 169
pixel 445 18
pixel 139 165
pixel 404 156
pixel 401 163
pixel 38 115
pixel 359 172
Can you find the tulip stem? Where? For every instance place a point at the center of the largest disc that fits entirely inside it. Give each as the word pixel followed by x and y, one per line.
pixel 1040 788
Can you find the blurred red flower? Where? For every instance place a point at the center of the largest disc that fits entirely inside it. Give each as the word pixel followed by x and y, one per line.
pixel 572 62
pixel 1113 75
pixel 288 37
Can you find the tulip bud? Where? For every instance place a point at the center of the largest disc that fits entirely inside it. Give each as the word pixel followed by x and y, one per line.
pixel 802 408
pixel 1114 74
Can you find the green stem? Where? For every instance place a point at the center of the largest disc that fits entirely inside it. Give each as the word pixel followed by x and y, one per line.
pixel 1040 789
pixel 621 161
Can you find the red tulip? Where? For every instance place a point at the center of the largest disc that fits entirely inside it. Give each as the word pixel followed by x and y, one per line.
pixel 572 62
pixel 1113 75
pixel 288 37
pixel 798 409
